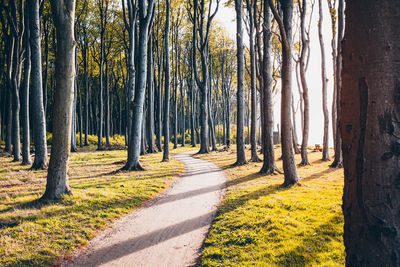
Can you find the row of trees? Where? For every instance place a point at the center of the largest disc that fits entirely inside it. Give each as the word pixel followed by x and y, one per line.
pixel 147 53
pixel 145 72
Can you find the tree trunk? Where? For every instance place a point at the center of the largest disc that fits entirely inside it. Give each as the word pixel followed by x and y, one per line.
pixel 370 130
pixel 26 142
pixel 253 80
pixel 325 144
pixel 57 176
pixel 39 120
pixel 241 157
pixel 7 147
pixel 107 108
pixel 166 84
pixel 150 99
pixel 338 161
pixel 303 61
pixel 268 125
pixel 285 27
pixel 145 14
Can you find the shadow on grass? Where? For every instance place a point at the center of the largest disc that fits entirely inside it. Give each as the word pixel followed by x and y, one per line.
pixel 232 204
pixel 89 208
pixel 312 245
pixel 318 174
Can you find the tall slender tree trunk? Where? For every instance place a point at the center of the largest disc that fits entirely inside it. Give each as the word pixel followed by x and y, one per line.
pixel 370 129
pixel 107 107
pixel 8 143
pixel 57 176
pixel 26 142
pixel 338 161
pixel 325 144
pixel 285 27
pixel 240 156
pixel 150 99
pixel 268 125
pixel 332 12
pixel 253 81
pixel 303 62
pixel 39 120
pixel 145 16
pixel 166 83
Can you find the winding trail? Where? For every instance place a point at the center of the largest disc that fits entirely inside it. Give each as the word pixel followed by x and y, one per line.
pixel 169 230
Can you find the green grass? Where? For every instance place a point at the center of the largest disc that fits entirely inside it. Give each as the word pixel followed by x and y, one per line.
pixel 35 235
pixel 261 224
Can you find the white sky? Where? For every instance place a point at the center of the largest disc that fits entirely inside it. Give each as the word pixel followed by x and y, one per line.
pixel 226 16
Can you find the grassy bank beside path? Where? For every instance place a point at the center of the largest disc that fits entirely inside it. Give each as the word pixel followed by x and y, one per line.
pixel 261 224
pixel 41 235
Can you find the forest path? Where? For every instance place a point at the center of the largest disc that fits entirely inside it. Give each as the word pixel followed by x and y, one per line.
pixel 169 230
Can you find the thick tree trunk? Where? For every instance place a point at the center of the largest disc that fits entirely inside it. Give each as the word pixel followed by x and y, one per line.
pixel 241 157
pixel 268 124
pixel 26 142
pixel 57 176
pixel 325 144
pixel 338 161
pixel 39 120
pixel 370 129
pixel 285 27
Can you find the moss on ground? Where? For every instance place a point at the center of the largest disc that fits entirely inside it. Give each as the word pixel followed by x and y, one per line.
pixel 260 223
pixel 36 235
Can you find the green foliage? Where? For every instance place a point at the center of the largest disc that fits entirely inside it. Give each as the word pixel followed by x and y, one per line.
pixel 115 140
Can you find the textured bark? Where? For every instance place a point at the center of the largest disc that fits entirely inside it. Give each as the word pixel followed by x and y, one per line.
pixel 240 156
pixel 7 147
pixel 305 43
pixel 253 79
pixel 145 15
pixel 16 17
pixel 370 129
pixel 130 25
pixel 332 13
pixel 199 14
pixel 268 117
pixel 39 120
pixel 338 161
pixel 285 27
pixel 57 177
pixel 150 99
pixel 325 144
pixel 166 84
pixel 26 142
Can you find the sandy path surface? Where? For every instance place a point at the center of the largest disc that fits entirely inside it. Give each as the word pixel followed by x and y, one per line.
pixel 168 231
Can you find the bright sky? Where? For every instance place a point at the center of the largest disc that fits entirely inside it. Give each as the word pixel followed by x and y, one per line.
pixel 226 16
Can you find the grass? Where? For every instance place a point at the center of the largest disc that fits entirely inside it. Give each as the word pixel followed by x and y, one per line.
pixel 35 235
pixel 260 223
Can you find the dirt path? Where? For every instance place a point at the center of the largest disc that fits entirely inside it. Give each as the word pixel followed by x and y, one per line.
pixel 168 231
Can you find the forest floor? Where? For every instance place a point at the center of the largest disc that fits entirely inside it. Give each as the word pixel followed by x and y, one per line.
pixel 167 231
pixel 36 235
pixel 259 223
